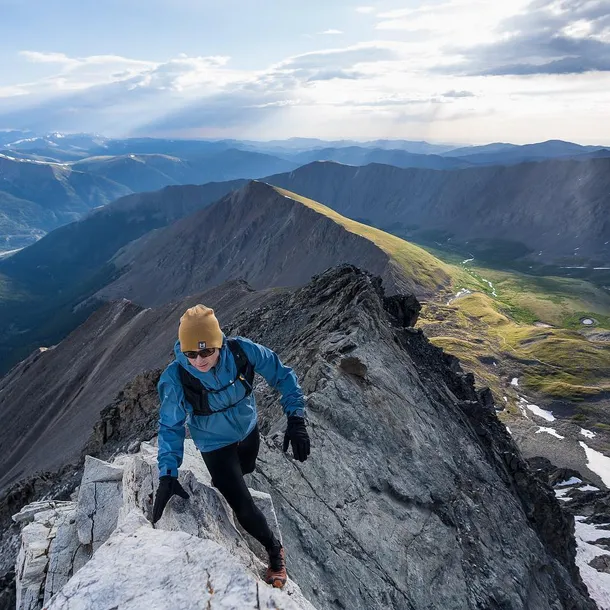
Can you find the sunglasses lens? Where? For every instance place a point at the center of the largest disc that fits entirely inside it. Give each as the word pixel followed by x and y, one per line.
pixel 204 353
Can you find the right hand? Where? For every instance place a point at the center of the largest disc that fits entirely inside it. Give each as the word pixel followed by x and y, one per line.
pixel 168 486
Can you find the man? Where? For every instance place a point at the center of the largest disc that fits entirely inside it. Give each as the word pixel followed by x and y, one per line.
pixel 209 386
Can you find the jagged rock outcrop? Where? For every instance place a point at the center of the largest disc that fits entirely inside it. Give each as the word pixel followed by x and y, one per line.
pixel 98 551
pixel 415 495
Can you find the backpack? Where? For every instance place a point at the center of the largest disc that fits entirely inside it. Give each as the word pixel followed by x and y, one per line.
pixel 197 395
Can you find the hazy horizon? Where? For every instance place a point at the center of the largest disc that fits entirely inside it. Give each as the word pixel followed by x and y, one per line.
pixel 356 139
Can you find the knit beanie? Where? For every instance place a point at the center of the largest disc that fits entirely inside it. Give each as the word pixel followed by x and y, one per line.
pixel 199 329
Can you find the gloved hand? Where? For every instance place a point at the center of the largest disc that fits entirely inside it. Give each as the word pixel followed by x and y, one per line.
pixel 168 486
pixel 296 433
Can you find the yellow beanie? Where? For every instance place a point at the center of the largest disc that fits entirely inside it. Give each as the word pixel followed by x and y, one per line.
pixel 199 329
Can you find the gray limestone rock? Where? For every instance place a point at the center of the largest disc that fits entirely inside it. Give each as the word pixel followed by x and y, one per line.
pixel 50 552
pixel 98 552
pixel 189 574
pixel 66 553
pixel 99 501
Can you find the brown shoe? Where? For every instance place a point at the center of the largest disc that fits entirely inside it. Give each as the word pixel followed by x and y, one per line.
pixel 276 572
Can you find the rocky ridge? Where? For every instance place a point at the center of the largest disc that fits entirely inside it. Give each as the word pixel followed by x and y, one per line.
pixel 97 551
pixel 415 495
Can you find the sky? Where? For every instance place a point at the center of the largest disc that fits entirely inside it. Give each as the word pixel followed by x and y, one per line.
pixel 452 71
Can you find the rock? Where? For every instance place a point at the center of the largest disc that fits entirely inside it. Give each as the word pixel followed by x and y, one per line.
pixel 28 513
pixel 66 554
pixel 404 309
pixel 410 474
pixel 90 554
pixel 414 496
pixel 101 487
pixel 353 366
pixel 48 553
pixel 603 543
pixel 601 563
pixel 189 573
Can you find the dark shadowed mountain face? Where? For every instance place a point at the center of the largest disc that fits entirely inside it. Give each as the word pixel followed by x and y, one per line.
pixel 71 262
pixel 553 209
pixel 21 221
pixel 414 496
pixel 254 234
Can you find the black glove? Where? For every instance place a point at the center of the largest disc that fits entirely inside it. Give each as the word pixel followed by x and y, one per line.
pixel 296 433
pixel 168 486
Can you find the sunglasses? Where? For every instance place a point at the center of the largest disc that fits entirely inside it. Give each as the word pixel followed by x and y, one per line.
pixel 204 353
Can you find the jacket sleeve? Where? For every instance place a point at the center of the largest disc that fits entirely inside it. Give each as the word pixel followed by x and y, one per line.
pixel 279 376
pixel 172 417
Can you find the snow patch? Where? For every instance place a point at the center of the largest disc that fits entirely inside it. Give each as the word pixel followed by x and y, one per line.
pixel 572 481
pixel 550 431
pixel 515 382
pixel 587 433
pixel 493 290
pixel 598 583
pixel 560 495
pixel 597 462
pixel 536 410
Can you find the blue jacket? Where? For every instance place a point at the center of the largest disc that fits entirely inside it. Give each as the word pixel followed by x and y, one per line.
pixel 222 429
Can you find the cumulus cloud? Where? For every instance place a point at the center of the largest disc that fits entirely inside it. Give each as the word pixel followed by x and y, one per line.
pixel 546 37
pixel 331 32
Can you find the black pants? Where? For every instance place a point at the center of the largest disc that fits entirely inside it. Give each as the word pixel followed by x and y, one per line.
pixel 228 466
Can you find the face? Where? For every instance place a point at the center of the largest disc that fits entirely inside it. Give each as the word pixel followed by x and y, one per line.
pixel 205 364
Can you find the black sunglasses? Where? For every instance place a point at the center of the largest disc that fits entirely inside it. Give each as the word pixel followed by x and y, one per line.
pixel 204 353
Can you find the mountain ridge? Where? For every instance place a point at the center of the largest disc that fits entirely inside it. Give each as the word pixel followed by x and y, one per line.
pixel 532 201
pixel 411 473
pixel 255 235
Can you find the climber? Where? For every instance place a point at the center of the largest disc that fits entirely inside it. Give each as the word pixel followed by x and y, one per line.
pixel 209 385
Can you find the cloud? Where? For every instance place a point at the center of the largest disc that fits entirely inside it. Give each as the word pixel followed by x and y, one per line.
pixel 340 74
pixel 48 58
pixel 365 10
pixel 547 37
pixel 332 32
pixel 457 94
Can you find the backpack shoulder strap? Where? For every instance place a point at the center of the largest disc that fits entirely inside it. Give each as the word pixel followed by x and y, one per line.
pixel 245 370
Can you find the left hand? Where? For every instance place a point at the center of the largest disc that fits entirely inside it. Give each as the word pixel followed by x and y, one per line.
pixel 296 433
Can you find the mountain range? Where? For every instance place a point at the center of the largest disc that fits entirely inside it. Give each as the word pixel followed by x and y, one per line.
pixel 102 169
pixel 555 210
pixel 50 195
